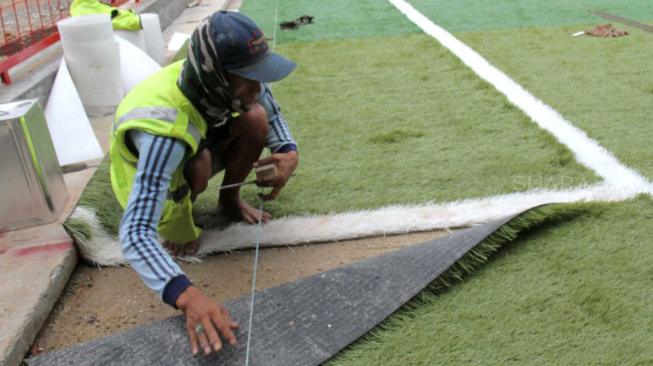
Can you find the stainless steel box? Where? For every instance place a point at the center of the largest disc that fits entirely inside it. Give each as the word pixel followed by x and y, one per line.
pixel 32 189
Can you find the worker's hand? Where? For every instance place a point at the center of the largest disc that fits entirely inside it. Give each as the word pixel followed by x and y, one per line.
pixel 214 319
pixel 286 164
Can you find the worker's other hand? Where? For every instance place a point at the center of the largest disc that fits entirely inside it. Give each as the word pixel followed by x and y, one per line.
pixel 214 319
pixel 286 164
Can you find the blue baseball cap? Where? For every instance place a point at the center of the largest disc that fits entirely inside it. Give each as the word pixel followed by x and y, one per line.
pixel 244 51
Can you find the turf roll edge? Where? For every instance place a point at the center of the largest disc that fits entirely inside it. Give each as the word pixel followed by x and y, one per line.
pixel 308 321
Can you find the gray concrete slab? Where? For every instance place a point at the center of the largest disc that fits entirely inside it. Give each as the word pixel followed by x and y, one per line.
pixel 37 262
pixel 33 78
pixel 187 21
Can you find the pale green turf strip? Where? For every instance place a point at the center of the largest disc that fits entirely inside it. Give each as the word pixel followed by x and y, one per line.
pixel 335 19
pixel 477 15
pixel 603 86
pixel 576 293
pixel 400 120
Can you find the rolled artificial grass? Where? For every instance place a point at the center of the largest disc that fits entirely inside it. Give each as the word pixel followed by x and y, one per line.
pixel 474 15
pixel 573 292
pixel 98 196
pixel 78 229
pixel 602 86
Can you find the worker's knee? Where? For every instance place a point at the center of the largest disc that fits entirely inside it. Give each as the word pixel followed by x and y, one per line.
pixel 252 125
pixel 198 172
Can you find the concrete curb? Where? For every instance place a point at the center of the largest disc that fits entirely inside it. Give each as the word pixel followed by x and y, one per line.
pixel 37 262
pixel 36 267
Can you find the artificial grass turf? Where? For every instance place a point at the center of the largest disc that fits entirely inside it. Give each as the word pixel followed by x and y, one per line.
pixel 475 15
pixel 379 126
pixel 575 293
pixel 603 86
pixel 400 120
pixel 335 19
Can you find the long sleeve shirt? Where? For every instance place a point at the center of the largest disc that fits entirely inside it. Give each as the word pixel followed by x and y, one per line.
pixel 159 158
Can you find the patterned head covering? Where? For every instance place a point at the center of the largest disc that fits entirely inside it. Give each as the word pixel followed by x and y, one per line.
pixel 203 78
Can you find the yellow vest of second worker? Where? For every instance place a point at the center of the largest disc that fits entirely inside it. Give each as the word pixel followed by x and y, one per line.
pixel 125 19
pixel 158 106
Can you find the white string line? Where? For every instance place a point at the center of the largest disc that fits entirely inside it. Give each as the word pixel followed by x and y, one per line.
pixel 259 226
pixel 588 152
pixel 274 26
pixel 251 301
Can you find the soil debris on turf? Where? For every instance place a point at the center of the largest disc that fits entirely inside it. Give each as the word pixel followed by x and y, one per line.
pixel 294 24
pixel 606 30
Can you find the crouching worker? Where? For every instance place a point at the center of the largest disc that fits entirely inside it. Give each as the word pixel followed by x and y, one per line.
pixel 172 132
pixel 124 19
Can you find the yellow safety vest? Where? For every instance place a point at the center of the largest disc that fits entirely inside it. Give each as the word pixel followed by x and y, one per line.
pixel 158 106
pixel 125 19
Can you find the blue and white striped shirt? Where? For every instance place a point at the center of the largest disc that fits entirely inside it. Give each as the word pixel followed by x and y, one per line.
pixel 159 158
pixel 279 139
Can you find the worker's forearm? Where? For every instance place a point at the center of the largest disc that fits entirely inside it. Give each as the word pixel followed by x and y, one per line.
pixel 159 158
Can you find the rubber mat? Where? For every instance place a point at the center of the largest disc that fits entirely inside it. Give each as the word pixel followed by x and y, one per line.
pixel 301 323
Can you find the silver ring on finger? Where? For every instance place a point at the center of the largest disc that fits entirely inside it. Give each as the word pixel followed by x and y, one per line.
pixel 199 329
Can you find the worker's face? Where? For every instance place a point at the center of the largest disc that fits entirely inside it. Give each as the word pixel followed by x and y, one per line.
pixel 244 90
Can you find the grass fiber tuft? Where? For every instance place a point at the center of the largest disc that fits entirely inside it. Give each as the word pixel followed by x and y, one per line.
pixel 78 229
pixel 569 292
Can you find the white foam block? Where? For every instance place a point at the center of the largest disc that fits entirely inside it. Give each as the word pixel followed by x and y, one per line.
pixel 95 69
pixel 153 37
pixel 137 38
pixel 85 28
pixel 177 41
pixel 135 65
pixel 93 59
pixel 72 135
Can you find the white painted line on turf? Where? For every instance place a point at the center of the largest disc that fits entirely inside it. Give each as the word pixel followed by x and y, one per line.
pixel 588 152
pixel 392 220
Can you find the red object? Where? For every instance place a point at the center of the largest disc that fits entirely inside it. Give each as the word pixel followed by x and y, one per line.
pixel 47 248
pixel 29 26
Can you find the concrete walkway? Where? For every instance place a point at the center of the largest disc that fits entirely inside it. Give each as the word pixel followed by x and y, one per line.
pixel 36 263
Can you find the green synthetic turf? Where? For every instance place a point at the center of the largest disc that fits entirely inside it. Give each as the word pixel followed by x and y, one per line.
pixel 335 19
pixel 98 195
pixel 477 15
pixel 576 293
pixel 601 85
pixel 380 125
pixel 341 19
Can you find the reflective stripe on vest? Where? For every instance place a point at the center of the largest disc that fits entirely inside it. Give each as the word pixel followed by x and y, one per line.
pixel 159 113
